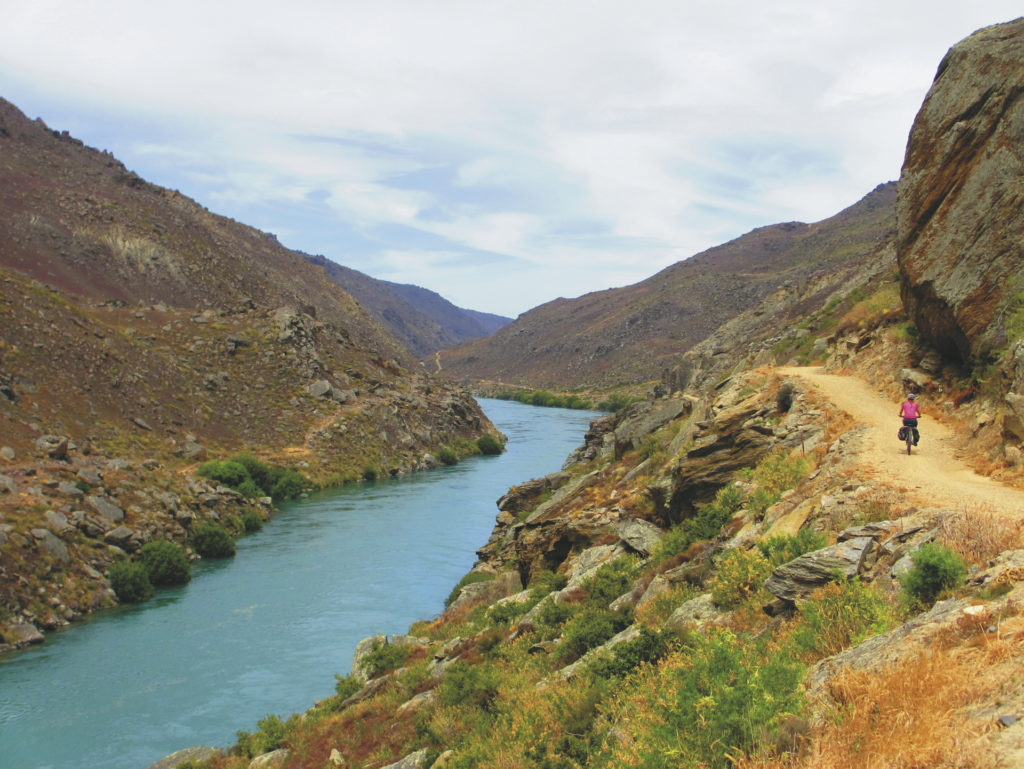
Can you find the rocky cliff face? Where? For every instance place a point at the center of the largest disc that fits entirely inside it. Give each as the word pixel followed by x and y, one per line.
pixel 546 524
pixel 960 196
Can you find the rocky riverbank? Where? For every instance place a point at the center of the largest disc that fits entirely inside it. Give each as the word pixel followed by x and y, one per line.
pixel 65 520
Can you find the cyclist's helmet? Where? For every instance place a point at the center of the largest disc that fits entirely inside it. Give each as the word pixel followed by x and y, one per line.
pixel 911 396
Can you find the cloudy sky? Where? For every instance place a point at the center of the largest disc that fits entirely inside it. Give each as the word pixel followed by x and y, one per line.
pixel 500 153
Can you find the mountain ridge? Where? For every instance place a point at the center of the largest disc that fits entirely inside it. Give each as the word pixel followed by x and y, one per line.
pixel 419 318
pixel 633 334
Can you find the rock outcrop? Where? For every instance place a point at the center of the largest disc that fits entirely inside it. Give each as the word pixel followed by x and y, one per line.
pixel 543 526
pixel 960 195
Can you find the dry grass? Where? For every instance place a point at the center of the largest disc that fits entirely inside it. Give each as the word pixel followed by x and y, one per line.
pixel 980 536
pixel 916 713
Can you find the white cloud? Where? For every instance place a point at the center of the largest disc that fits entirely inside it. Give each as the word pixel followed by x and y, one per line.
pixel 557 147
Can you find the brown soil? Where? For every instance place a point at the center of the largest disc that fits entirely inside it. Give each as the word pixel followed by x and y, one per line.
pixel 932 475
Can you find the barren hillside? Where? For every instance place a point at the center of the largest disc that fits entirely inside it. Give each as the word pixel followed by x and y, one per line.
pixel 633 334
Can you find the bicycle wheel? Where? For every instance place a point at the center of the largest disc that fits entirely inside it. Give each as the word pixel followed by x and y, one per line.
pixel 910 442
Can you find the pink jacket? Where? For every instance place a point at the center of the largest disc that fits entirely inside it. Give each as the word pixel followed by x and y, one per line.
pixel 910 410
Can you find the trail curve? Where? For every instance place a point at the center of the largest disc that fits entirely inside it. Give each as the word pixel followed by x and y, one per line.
pixel 932 475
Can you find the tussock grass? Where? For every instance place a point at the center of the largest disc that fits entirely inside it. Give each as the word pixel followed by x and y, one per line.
pixel 979 536
pixel 905 716
pixel 916 712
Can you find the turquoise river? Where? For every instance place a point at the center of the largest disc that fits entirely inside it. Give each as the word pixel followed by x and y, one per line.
pixel 265 632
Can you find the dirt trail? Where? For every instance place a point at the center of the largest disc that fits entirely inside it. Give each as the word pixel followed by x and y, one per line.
pixel 931 475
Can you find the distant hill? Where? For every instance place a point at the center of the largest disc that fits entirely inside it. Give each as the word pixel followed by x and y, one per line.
pixel 122 301
pixel 634 334
pixel 422 320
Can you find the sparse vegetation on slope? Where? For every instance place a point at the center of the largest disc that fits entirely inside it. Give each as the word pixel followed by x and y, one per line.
pixel 631 335
pixel 666 655
pixel 142 335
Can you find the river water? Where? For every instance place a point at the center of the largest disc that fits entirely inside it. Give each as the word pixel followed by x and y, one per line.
pixel 266 632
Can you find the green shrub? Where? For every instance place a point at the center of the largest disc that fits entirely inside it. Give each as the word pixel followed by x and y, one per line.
pixel 130 581
pixel 545 398
pixel 840 615
pixel 447 456
pixel 701 707
pixel 741 575
pixel 553 614
pixel 707 524
pixel 507 612
pixel 546 582
pixel 776 473
pixel 470 685
pixel 384 656
pixel 251 521
pixel 253 478
pixel 935 570
pixel 489 445
pixel 609 582
pixel 248 488
pixel 647 648
pixel 270 736
pixel 783 548
pixel 616 402
pixel 212 541
pixel 226 472
pixel 588 629
pixel 287 483
pixel 258 472
pixel 469 579
pixel 346 686
pixel 165 563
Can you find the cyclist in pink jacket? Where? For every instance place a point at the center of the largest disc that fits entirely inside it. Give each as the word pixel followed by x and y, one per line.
pixel 911 411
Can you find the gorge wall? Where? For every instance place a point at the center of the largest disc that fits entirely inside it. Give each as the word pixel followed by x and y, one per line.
pixel 959 213
pixel 960 196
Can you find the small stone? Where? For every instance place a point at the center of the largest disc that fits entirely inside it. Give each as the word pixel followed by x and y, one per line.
pixel 7 453
pixel 1007 720
pixel 119 535
pixel 103 506
pixel 24 634
pixel 90 476
pixel 54 446
pixel 70 490
pixel 57 521
pixel 320 389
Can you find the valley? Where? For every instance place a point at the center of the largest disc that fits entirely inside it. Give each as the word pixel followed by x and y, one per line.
pixel 739 566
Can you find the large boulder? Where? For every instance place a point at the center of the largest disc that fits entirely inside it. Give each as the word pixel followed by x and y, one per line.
pixel 197 754
pixel 503 585
pixel 23 634
pixel 105 507
pixel 803 575
pixel 275 759
pixel 411 761
pixel 360 665
pixel 639 535
pixel 961 197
